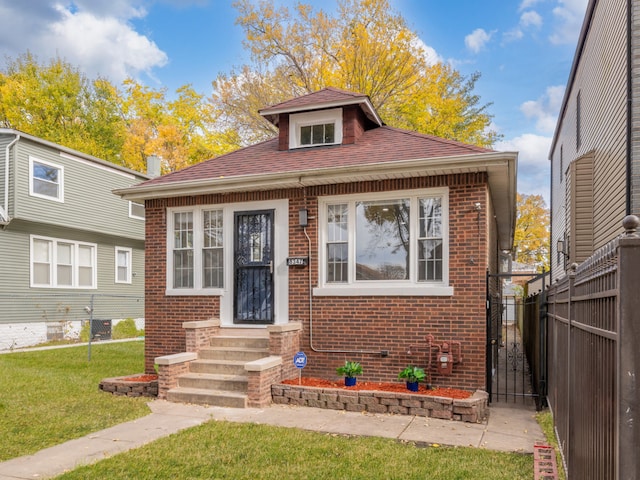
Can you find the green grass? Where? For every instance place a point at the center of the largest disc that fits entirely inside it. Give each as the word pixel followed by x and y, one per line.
pixel 545 419
pixel 48 397
pixel 223 450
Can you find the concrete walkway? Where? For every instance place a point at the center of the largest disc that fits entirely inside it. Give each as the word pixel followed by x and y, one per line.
pixel 509 429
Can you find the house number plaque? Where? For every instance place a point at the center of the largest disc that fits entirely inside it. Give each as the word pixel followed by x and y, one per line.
pixel 297 261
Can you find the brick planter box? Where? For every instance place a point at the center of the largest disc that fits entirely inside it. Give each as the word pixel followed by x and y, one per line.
pixel 472 409
pixel 131 388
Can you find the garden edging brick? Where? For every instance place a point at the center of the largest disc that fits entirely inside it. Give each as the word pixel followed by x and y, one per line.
pixel 473 409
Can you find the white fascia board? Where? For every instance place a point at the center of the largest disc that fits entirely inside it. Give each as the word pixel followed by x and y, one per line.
pixel 322 106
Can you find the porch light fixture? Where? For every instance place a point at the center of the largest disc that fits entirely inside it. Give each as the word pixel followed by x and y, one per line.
pixel 561 248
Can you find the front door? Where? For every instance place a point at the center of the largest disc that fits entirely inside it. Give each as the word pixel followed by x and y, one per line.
pixel 253 261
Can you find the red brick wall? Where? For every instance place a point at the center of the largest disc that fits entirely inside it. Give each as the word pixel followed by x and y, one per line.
pixel 283 135
pixel 372 323
pixel 352 124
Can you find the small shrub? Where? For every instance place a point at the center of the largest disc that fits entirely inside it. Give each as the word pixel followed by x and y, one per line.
pixel 125 329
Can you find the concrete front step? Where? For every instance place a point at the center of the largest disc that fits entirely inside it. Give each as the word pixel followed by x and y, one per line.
pixel 233 353
pixel 222 367
pixel 199 396
pixel 218 376
pixel 240 342
pixel 208 381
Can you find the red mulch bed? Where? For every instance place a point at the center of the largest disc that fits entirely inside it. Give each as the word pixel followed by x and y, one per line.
pixel 140 378
pixel 384 387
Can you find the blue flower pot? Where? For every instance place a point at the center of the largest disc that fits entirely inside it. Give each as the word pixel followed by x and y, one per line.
pixel 413 386
pixel 349 381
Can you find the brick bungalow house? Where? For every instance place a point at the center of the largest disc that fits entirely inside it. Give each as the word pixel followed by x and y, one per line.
pixel 342 238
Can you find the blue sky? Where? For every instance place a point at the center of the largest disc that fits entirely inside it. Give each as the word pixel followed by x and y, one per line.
pixel 522 48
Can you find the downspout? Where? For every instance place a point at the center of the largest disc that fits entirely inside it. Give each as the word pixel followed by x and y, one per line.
pixel 319 350
pixel 5 205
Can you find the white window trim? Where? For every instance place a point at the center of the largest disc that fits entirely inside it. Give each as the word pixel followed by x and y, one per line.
pixel 131 215
pixel 298 120
pixel 281 251
pixel 60 197
pixel 410 287
pixel 197 251
pixel 76 264
pixel 129 265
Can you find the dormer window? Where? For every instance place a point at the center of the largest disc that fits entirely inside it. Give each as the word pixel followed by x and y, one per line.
pixel 317 134
pixel 309 129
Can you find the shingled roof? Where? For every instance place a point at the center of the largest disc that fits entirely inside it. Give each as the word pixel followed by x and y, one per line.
pixel 381 145
pixel 326 98
pixel 379 153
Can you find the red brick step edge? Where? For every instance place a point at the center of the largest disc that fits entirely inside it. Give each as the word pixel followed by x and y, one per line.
pixel 544 462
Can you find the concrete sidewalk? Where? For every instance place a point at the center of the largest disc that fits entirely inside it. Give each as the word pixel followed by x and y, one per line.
pixel 506 429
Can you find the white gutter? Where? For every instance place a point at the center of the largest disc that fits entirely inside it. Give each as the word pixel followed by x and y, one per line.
pixel 501 168
pixel 4 209
pixel 406 168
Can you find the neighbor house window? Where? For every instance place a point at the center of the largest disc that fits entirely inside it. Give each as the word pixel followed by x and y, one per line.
pixel 197 239
pixel 60 263
pixel 46 180
pixel 136 210
pixel 578 120
pixel 123 265
pixel 315 128
pixel 373 244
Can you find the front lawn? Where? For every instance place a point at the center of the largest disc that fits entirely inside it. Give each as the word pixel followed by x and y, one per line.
pixel 224 450
pixel 50 396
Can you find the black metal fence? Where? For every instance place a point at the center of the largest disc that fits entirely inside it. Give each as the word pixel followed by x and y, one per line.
pixel 593 360
pixel 534 337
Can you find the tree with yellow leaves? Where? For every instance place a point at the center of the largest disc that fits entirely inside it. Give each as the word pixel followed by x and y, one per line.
pixel 56 102
pixel 531 238
pixel 365 48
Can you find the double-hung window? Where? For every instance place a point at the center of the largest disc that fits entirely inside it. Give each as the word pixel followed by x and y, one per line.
pixel 196 239
pixel 123 265
pixel 57 263
pixel 387 243
pixel 46 180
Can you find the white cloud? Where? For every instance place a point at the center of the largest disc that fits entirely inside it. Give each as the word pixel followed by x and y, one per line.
pixel 545 109
pixel 527 4
pixel 531 18
pixel 569 15
pixel 477 39
pixel 533 163
pixel 97 37
pixel 430 54
pixel 513 35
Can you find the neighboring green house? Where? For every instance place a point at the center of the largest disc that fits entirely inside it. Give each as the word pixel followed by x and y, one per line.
pixel 67 242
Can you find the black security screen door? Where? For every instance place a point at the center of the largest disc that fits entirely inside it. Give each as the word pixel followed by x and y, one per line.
pixel 253 301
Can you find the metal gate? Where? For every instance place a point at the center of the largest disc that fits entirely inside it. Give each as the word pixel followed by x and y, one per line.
pixel 508 372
